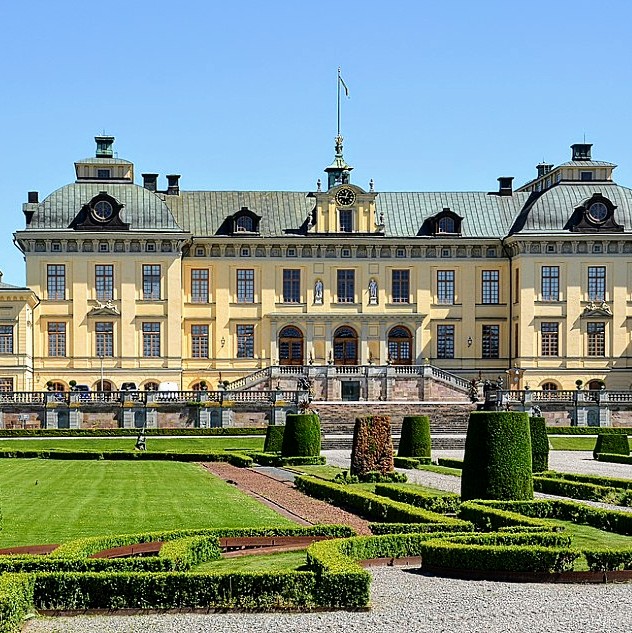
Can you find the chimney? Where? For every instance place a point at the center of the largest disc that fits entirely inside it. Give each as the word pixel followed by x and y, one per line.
pixel 104 146
pixel 581 151
pixel 173 184
pixel 33 197
pixel 150 182
pixel 543 169
pixel 505 186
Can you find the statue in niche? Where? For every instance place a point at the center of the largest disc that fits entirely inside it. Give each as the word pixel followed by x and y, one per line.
pixel 318 292
pixel 373 292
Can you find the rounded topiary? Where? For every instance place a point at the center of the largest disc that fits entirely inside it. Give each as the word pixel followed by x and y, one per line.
pixel 302 435
pixel 616 443
pixel 539 444
pixel 415 438
pixel 497 462
pixel 274 439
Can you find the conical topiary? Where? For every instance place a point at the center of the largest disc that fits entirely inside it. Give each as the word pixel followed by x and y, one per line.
pixel 539 445
pixel 302 435
pixel 616 443
pixel 274 439
pixel 415 439
pixel 372 445
pixel 497 462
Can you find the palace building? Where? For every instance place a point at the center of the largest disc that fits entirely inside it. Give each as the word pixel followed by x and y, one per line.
pixel 133 283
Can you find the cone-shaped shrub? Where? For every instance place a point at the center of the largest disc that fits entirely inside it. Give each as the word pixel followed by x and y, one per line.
pixel 539 445
pixel 274 439
pixel 497 462
pixel 616 443
pixel 372 445
pixel 415 438
pixel 302 435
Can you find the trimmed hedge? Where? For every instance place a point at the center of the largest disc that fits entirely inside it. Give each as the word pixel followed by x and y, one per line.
pixel 611 443
pixel 450 463
pixel 274 459
pixel 16 599
pixel 497 461
pixel 274 439
pixel 415 437
pixel 236 459
pixel 487 517
pixel 539 444
pixel 582 490
pixel 586 430
pixel 410 463
pixel 302 435
pixel 373 506
pixel 414 528
pixel 442 504
pixel 608 560
pixel 614 459
pixel 599 480
pixel 231 430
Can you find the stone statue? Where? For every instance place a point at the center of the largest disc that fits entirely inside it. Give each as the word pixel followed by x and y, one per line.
pixel 372 292
pixel 318 291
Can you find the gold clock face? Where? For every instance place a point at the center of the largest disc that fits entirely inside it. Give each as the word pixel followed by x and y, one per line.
pixel 345 197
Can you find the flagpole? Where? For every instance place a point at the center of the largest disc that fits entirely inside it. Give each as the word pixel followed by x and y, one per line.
pixel 338 85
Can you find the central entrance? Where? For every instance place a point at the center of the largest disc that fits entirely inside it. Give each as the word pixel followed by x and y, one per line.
pixel 290 346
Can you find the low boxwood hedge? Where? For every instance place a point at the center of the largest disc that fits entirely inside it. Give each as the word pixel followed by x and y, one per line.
pixel 448 502
pixel 488 517
pixel 614 459
pixel 275 459
pixel 415 528
pixel 599 480
pixel 16 599
pixel 409 463
pixel 586 430
pixel 608 559
pixel 450 463
pixel 582 490
pixel 611 443
pixel 175 432
pixel 371 505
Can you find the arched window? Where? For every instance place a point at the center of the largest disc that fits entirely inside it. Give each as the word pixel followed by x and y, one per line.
pixel 446 225
pixel 549 386
pixel 201 385
pixel 150 386
pixel 244 223
pixel 55 385
pixel 345 346
pixel 105 385
pixel 595 385
pixel 290 346
pixel 400 346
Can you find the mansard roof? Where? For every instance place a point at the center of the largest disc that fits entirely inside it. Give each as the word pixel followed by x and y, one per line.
pixel 550 211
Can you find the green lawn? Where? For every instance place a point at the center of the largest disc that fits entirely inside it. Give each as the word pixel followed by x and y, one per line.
pixel 575 442
pixel 184 444
pixel 441 470
pixel 257 562
pixel 53 501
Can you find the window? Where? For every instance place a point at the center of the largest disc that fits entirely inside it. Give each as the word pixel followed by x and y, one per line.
pixel 6 385
pixel 549 386
pixel 199 341
pixel 103 174
pixel 596 283
pixel 346 220
pixel 244 251
pixel 200 251
pixel 150 247
pixel 56 282
pixel 104 281
pixel 445 341
pixel 346 286
pixel 56 338
pixel 245 341
pixel 517 286
pixel 291 286
pixel 596 339
pixel 105 339
pixel 151 281
pixel 550 283
pixel 401 286
pixel 151 340
pixel 6 339
pixel 490 286
pixel 446 225
pixel 150 386
pixel 585 175
pixel 199 285
pixel 491 341
pixel 104 247
pixel 245 286
pixel 244 223
pixel 550 339
pixel 445 286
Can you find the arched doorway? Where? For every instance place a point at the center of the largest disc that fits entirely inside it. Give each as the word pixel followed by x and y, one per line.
pixel 400 346
pixel 104 385
pixel 290 346
pixel 345 346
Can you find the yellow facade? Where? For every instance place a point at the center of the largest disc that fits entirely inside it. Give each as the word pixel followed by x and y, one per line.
pixel 146 286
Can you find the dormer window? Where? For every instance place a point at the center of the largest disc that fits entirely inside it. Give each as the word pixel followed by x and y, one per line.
pixel 445 222
pixel 103 174
pixel 445 225
pixel 595 215
pixel 244 223
pixel 585 175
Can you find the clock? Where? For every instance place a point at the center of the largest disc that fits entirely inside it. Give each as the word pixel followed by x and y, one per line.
pixel 598 212
pixel 345 197
pixel 102 211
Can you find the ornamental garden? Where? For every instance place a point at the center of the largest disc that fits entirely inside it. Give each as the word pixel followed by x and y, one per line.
pixel 91 523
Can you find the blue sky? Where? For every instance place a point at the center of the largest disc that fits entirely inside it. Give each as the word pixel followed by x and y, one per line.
pixel 445 95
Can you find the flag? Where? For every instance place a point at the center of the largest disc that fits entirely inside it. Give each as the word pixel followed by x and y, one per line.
pixel 344 85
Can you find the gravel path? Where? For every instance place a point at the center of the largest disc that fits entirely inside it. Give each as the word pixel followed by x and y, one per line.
pixel 403 602
pixel 282 493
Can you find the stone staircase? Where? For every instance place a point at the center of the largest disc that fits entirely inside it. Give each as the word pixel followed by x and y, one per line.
pixel 448 423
